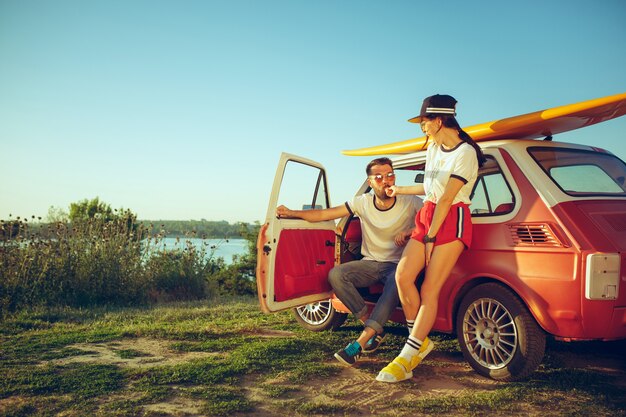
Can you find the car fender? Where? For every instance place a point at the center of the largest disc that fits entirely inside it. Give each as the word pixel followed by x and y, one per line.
pixel 535 304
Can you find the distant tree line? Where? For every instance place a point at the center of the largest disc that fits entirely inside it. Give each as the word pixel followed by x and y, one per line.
pixel 96 209
pixel 199 228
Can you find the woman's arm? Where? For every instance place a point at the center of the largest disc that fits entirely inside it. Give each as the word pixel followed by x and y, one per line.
pixel 417 189
pixel 443 205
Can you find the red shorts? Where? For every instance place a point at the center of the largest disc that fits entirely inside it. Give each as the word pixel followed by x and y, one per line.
pixel 457 224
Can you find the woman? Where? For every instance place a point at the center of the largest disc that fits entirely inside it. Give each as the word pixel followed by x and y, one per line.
pixel 443 227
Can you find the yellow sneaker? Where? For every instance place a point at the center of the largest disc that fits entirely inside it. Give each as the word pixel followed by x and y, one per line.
pixel 401 369
pixel 396 371
pixel 427 347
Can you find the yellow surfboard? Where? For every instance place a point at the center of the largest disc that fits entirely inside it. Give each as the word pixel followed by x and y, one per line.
pixel 526 126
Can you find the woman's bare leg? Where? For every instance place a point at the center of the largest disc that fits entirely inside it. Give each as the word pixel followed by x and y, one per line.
pixel 410 265
pixel 441 263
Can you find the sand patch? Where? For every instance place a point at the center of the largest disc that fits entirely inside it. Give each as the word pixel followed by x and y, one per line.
pixel 135 353
pixel 275 333
pixel 177 407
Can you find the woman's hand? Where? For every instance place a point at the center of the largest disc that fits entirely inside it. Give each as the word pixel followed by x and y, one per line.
pixel 391 191
pixel 428 250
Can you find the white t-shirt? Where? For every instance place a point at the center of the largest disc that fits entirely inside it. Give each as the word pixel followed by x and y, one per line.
pixel 379 227
pixel 441 164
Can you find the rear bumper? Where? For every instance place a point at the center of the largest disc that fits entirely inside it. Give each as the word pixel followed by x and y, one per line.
pixel 617 329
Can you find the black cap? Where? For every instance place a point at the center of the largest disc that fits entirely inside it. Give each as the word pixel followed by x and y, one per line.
pixel 437 105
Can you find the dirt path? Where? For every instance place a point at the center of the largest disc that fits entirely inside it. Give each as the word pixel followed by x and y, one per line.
pixel 442 374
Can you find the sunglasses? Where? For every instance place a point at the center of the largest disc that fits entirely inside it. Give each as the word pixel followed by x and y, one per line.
pixel 379 177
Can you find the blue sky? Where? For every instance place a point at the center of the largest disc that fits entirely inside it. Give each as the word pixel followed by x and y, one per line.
pixel 180 109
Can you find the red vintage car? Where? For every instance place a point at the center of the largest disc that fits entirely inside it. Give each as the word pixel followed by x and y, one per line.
pixel 546 258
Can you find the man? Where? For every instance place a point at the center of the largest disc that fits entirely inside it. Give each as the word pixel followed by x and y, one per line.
pixel 386 225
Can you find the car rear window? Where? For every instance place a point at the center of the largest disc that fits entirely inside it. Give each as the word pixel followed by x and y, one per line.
pixel 582 173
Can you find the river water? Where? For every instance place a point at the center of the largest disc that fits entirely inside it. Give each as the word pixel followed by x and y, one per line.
pixel 221 248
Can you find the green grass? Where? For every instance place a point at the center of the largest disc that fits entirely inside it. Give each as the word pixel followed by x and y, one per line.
pixel 225 360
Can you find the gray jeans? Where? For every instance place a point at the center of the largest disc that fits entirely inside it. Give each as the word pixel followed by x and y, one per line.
pixel 346 278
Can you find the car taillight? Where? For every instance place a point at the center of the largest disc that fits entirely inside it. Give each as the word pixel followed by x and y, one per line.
pixel 602 276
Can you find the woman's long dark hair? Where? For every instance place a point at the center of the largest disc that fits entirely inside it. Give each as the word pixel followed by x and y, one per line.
pixel 451 122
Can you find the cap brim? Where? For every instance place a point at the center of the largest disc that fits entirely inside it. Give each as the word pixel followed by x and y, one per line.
pixel 416 119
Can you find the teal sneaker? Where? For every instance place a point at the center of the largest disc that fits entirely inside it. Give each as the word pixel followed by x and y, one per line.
pixel 350 354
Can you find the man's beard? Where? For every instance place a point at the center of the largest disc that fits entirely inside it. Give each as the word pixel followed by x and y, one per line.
pixel 382 194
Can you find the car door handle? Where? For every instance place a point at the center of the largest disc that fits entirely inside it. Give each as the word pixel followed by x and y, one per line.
pixel 329 243
pixel 320 262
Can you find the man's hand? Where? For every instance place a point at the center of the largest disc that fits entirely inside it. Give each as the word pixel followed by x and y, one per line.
pixel 402 238
pixel 282 211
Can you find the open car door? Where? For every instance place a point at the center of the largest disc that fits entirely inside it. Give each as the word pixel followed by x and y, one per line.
pixel 293 255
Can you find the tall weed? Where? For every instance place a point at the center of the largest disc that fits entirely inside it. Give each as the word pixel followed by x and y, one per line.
pixel 183 274
pixel 97 261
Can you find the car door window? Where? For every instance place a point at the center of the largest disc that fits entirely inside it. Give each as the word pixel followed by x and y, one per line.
pixel 409 175
pixel 303 187
pixel 492 194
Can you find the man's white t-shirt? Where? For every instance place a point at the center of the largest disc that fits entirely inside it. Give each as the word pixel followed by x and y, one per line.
pixel 379 227
pixel 459 162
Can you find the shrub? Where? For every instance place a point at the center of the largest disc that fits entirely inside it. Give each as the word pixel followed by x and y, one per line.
pixel 238 278
pixel 83 263
pixel 180 275
pixel 102 260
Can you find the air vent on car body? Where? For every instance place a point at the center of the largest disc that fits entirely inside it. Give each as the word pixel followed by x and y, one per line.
pixel 537 234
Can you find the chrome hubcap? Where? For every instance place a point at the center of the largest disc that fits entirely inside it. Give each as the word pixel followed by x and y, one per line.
pixel 490 333
pixel 315 313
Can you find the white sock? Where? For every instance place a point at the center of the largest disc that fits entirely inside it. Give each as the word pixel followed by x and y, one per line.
pixel 409 325
pixel 411 348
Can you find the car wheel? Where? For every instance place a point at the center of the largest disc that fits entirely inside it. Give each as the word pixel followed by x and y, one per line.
pixel 498 336
pixel 319 316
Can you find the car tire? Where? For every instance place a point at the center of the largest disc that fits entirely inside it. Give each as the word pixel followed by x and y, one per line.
pixel 319 316
pixel 498 336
